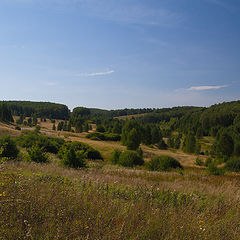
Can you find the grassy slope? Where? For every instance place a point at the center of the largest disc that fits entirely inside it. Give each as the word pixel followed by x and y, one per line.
pixel 45 201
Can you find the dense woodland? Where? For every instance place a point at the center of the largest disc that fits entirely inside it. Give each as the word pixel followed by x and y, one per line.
pixel 39 109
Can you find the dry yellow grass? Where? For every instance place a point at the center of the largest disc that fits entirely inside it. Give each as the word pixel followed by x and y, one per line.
pixel 6 129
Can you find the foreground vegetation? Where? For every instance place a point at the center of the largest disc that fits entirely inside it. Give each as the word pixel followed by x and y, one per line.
pixel 46 201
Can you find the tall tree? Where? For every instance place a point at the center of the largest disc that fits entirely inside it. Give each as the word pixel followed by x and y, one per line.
pixel 133 140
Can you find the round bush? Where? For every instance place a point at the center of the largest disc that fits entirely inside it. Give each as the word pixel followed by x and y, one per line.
pixel 163 163
pixel 9 148
pixel 73 159
pixel 115 156
pixel 37 154
pixel 130 159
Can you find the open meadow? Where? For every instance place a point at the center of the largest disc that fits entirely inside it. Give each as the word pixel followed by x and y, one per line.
pixel 103 201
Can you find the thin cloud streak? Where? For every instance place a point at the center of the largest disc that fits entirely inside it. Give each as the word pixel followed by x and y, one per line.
pixel 95 74
pixel 202 88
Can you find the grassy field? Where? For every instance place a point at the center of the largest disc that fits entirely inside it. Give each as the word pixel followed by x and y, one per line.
pixel 102 201
pixel 46 201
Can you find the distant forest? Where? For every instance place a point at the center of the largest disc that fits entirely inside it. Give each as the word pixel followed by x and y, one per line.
pixel 183 127
pixel 38 109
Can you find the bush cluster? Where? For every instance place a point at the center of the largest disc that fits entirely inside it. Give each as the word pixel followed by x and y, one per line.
pixel 37 154
pixel 83 149
pixel 99 136
pixel 48 144
pixel 9 148
pixel 127 158
pixel 73 158
pixel 163 163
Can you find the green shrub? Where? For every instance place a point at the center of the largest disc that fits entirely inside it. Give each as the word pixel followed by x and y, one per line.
pixel 162 145
pixel 104 136
pixel 163 163
pixel 130 159
pixel 37 154
pixel 199 161
pixel 74 159
pixel 212 169
pixel 49 144
pixel 9 148
pixel 96 136
pixel 115 156
pixel 86 150
pixel 233 164
pixel 100 128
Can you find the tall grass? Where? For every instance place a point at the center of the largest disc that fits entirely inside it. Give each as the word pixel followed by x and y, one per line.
pixel 46 201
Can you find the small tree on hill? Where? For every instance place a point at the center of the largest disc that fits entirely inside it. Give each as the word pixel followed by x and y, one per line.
pixel 156 137
pixel 189 143
pixel 133 140
pixel 225 145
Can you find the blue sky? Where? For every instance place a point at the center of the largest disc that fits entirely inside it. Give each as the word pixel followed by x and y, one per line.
pixel 114 54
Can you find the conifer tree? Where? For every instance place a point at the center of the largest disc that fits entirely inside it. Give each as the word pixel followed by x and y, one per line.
pixel 133 140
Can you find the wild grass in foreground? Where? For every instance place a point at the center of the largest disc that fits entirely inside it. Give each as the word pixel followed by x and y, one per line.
pixel 44 201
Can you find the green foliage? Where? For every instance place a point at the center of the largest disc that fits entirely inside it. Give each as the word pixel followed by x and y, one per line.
pixel 133 140
pixel 162 145
pixel 128 126
pixel 37 129
pixel 146 135
pixel 115 156
pixel 48 144
pixel 9 148
pixel 72 158
pixel 5 113
pixel 85 127
pixel 163 163
pixel 100 128
pixel 37 154
pixel 197 148
pixel 237 149
pixel 156 137
pixel 225 145
pixel 189 143
pixel 171 142
pixel 130 159
pixel 212 169
pixel 39 109
pixel 199 161
pixel 78 126
pixel 86 151
pixel 104 136
pixel 233 164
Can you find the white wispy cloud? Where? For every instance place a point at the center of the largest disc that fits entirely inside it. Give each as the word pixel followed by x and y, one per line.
pixel 51 83
pixel 201 88
pixel 95 74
